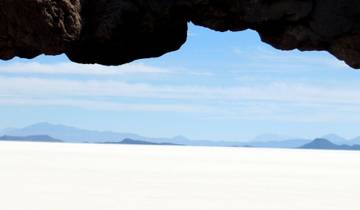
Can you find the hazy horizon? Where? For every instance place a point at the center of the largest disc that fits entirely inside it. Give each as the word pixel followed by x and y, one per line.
pixel 265 137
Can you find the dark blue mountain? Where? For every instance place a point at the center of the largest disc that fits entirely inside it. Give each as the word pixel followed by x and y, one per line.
pixel 326 144
pixel 138 142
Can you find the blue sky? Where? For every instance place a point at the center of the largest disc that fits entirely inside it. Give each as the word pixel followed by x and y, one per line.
pixel 220 86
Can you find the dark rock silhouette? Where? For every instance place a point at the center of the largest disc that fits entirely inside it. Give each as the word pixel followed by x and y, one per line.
pixel 113 32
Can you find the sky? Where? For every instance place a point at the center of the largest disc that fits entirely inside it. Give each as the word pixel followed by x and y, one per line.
pixel 218 86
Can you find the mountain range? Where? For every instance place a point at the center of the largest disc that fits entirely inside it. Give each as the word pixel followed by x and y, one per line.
pixel 73 134
pixel 272 140
pixel 137 142
pixel 35 138
pixel 326 144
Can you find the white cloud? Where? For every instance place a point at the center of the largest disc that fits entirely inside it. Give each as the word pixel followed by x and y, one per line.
pixel 274 60
pixel 275 102
pixel 105 105
pixel 292 113
pixel 279 92
pixel 282 101
pixel 72 68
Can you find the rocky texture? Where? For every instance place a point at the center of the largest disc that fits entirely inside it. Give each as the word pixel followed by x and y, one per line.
pixel 113 32
pixel 32 27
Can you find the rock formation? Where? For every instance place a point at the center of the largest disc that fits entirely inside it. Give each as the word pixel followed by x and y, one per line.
pixel 113 32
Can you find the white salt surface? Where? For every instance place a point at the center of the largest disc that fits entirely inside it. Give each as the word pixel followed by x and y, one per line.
pixel 42 176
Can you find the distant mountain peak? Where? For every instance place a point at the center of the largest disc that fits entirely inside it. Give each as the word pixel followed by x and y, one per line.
pixel 322 143
pixel 335 138
pixel 70 133
pixel 319 143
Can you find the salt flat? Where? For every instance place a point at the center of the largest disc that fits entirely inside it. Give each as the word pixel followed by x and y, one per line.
pixel 47 176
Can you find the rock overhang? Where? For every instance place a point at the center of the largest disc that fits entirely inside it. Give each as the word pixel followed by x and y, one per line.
pixel 114 32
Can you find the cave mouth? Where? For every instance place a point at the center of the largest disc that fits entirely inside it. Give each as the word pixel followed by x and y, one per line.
pixel 217 84
pixel 115 32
